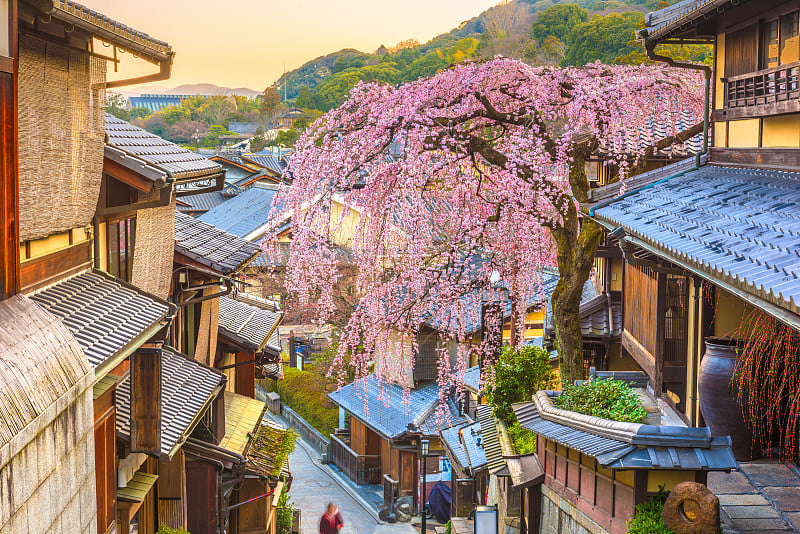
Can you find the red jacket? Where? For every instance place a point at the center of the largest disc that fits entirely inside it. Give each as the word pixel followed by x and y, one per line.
pixel 330 524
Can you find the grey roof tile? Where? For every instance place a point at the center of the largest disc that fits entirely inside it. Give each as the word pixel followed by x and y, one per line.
pixel 250 322
pixel 202 202
pixel 740 225
pixel 388 409
pixel 210 246
pixel 615 454
pixel 491 440
pixel 187 389
pixel 141 145
pixel 245 212
pixel 106 315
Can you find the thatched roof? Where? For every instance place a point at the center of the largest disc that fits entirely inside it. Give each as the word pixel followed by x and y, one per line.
pixel 40 360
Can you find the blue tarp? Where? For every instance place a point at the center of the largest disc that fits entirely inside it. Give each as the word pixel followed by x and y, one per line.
pixel 439 501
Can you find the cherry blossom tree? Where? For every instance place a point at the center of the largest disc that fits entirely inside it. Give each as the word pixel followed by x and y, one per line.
pixel 477 170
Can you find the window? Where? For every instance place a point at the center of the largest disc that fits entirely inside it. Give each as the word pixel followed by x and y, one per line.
pixel 780 41
pixel 120 246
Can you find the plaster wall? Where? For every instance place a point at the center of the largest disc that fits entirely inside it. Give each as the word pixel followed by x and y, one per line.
pixel 47 481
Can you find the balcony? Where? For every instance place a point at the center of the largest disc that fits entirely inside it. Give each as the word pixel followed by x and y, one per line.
pixel 361 468
pixel 767 92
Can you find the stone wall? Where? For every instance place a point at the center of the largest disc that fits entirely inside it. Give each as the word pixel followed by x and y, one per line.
pixel 561 517
pixel 48 483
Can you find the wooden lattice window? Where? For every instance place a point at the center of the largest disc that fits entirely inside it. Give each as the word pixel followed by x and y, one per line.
pixel 121 238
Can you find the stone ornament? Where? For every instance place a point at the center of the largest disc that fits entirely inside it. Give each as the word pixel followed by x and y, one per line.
pixel 691 508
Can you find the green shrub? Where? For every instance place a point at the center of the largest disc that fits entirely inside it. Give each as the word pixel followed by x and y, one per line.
pixel 647 516
pixel 609 399
pixel 518 374
pixel 524 440
pixel 305 392
pixel 166 530
pixel 284 514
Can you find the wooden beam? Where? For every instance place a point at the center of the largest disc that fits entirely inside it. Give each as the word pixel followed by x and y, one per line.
pixel 52 267
pixel 661 299
pixel 637 351
pixel 126 176
pixel 146 400
pixel 783 159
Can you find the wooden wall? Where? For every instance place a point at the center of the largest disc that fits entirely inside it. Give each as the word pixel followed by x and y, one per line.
pixel 201 497
pixel 640 305
pixel 363 440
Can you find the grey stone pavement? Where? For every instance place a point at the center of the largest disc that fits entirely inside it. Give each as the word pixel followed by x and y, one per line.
pixel 315 484
pixel 764 498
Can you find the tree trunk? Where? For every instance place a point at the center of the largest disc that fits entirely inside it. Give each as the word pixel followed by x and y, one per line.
pixel 575 259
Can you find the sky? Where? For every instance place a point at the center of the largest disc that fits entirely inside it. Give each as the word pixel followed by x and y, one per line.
pixel 245 43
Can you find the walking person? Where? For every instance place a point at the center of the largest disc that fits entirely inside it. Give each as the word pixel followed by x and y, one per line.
pixel 331 522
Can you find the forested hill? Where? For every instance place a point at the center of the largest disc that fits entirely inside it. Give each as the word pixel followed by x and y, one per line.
pixel 566 32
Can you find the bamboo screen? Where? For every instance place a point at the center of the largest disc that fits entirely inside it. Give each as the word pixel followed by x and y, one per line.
pixel 155 246
pixel 641 289
pixel 61 136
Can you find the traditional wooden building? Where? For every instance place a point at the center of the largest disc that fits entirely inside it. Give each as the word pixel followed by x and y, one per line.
pixel 469 478
pixel 709 245
pixel 386 424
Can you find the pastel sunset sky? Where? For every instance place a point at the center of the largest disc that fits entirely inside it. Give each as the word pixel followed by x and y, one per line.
pixel 245 43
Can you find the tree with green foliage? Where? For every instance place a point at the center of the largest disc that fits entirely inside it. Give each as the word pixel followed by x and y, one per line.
pixel 259 140
pixel 284 514
pixel 211 140
pixel 173 114
pixel 603 38
pixel 518 373
pixel 140 113
pixel 605 398
pixel 245 104
pixel 558 21
pixel 116 104
pixel 304 99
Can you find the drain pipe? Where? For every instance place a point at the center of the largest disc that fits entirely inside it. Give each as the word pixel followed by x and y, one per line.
pixel 649 47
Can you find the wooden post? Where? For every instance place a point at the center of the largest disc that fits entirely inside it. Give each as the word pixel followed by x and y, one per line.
pixel 9 165
pixel 218 417
pixel 661 298
pixel 146 400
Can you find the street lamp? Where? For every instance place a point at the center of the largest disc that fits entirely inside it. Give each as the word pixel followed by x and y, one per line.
pixel 423 445
pixel 485 519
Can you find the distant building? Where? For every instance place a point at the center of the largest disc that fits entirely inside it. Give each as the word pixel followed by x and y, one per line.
pixel 154 103
pixel 245 128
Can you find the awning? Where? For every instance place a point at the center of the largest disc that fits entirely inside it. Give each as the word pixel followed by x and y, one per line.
pixel 242 417
pixel 109 318
pixel 137 488
pixel 187 390
pixel 250 322
pixel 212 247
pixel 525 471
pixel 265 456
pixel 733 226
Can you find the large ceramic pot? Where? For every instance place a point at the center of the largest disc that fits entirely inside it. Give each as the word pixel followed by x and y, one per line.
pixel 718 402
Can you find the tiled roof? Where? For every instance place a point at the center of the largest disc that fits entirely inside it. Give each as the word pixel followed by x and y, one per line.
pixel 472 441
pixel 210 246
pixel 242 418
pixel 110 30
pixel 741 226
pixel 655 130
pixel 265 456
pixel 451 440
pixel 594 315
pixel 472 379
pixel 244 213
pixel 388 410
pixel 202 202
pixel 269 162
pixel 187 389
pixel 640 180
pixel 244 127
pixel 137 145
pixel 615 454
pixel 491 440
pixel 250 322
pixel 106 315
pixel 664 21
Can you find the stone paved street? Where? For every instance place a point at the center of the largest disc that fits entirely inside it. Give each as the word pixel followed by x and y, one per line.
pixel 314 485
pixel 764 497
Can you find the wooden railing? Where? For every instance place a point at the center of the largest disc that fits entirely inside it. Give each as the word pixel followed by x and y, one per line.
pixel 766 92
pixel 361 468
